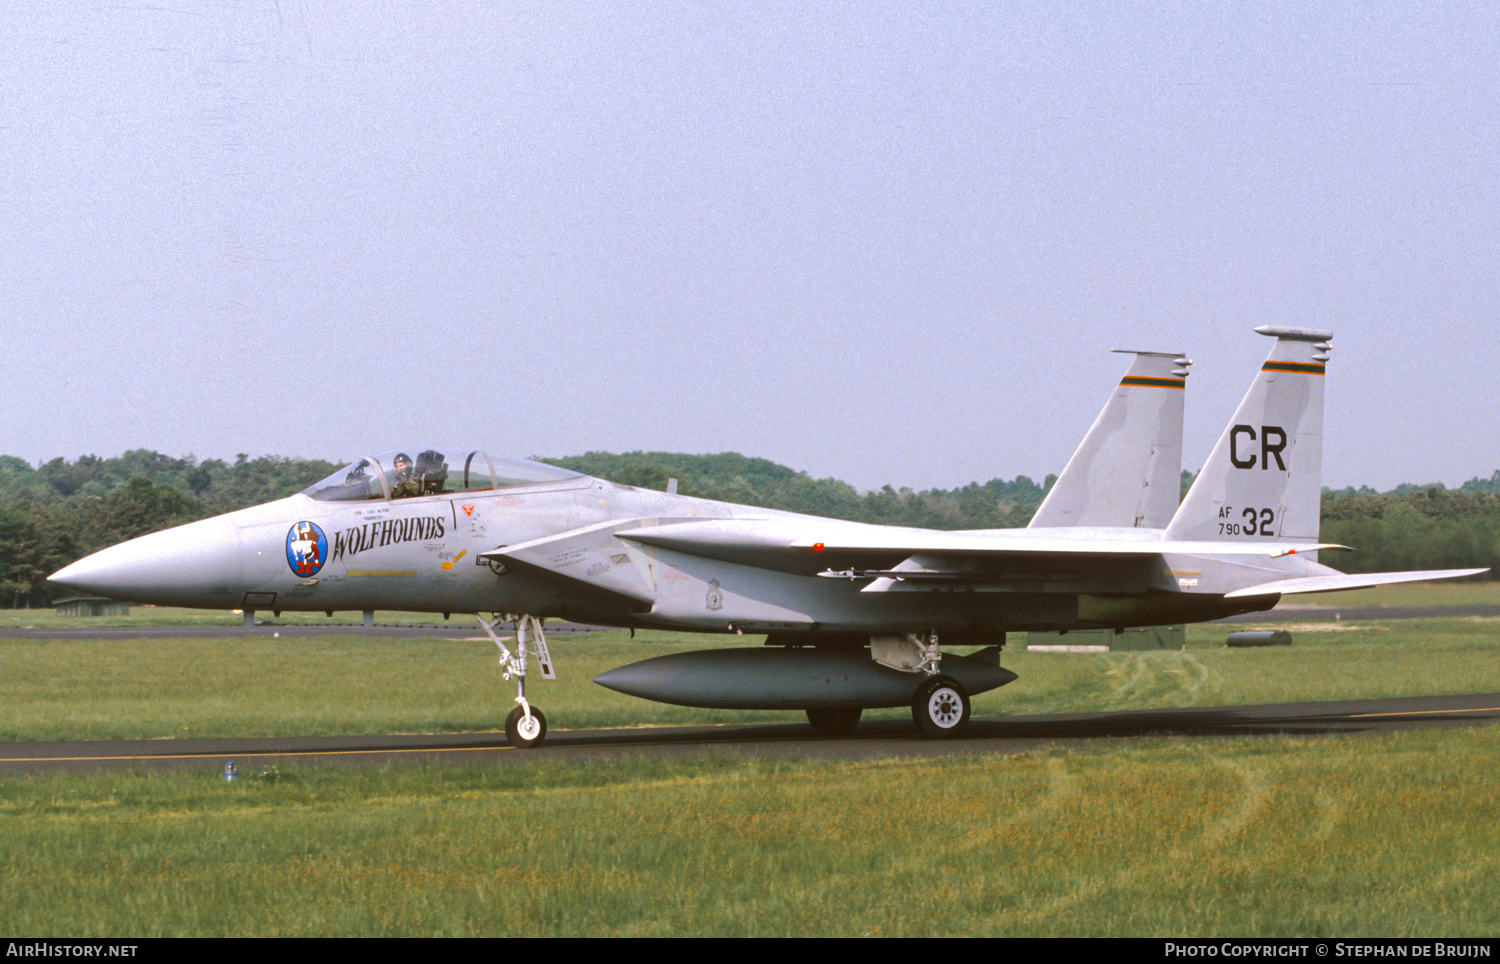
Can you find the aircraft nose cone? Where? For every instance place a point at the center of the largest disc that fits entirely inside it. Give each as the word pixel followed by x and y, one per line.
pixel 193 565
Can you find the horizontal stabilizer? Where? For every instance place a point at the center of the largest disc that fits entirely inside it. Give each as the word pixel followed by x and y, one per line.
pixel 1305 584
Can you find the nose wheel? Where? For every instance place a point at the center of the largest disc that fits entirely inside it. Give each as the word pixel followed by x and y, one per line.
pixel 525 730
pixel 941 707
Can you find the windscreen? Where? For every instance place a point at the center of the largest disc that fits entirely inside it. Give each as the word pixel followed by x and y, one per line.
pixel 409 473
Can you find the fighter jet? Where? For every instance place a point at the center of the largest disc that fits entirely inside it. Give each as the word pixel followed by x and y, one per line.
pixel 853 614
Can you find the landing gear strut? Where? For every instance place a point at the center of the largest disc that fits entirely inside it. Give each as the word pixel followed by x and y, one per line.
pixel 525 726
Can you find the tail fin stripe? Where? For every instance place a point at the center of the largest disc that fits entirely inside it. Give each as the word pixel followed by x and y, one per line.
pixel 1139 381
pixel 1296 368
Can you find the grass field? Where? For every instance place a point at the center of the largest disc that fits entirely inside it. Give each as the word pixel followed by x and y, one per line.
pixel 261 684
pixel 1335 836
pixel 1371 836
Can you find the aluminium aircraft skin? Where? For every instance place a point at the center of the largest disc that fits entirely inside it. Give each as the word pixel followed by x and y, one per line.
pixel 470 532
pixel 349 543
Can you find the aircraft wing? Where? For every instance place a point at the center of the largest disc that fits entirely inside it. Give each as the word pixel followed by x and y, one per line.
pixel 614 557
pixel 724 538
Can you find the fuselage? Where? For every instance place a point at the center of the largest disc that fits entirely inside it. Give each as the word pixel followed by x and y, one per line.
pixel 420 553
pixel 426 551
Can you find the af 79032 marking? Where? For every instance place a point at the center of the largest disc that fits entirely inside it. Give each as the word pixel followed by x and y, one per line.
pixel 1258 522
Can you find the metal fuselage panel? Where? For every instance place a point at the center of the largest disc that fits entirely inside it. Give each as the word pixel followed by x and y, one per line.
pixel 424 553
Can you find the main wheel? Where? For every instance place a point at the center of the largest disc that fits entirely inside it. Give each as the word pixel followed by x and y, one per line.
pixel 523 731
pixel 834 721
pixel 941 707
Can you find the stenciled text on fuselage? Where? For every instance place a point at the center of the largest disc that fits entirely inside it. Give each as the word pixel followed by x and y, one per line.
pixel 387 532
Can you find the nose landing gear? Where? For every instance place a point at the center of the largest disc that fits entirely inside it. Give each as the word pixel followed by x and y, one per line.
pixel 525 726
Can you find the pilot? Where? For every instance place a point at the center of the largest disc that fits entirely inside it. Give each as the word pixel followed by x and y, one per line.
pixel 431 471
pixel 403 483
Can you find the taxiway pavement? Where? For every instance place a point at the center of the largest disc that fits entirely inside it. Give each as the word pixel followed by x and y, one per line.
pixel 873 739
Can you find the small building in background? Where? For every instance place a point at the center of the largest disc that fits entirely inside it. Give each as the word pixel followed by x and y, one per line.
pixel 91 606
pixel 1107 640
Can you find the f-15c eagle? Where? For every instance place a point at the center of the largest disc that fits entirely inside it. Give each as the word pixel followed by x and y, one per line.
pixel 853 614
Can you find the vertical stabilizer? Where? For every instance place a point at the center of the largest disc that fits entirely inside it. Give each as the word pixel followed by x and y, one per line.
pixel 1264 479
pixel 1127 472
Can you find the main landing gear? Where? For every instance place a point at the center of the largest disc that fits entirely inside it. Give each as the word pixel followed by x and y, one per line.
pixel 525 726
pixel 941 707
pixel 939 703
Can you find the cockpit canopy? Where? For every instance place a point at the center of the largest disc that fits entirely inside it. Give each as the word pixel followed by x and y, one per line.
pixel 396 474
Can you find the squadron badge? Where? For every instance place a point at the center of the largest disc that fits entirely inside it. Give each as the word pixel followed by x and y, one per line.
pixel 306 548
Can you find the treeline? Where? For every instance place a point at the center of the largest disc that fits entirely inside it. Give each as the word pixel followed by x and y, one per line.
pixel 55 513
pixel 1414 527
pixel 60 511
pixel 731 477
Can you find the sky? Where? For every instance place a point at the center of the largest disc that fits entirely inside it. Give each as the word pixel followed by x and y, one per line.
pixel 884 242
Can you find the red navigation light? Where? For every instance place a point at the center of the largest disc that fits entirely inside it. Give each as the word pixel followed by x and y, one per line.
pixel 817 547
